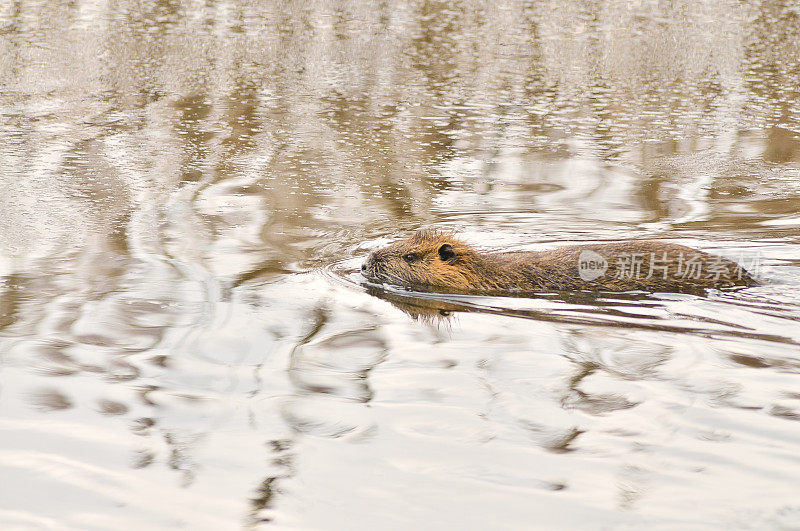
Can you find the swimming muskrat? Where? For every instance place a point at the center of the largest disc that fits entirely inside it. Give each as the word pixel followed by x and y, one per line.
pixel 438 261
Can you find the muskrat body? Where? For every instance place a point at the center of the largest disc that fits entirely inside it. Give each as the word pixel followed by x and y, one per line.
pixel 438 261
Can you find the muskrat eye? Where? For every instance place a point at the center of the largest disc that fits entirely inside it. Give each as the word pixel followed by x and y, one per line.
pixel 410 257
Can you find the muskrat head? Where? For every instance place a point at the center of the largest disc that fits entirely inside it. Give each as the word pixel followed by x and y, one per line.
pixel 427 259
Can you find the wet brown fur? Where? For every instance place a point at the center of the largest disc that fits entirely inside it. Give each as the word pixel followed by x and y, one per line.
pixel 470 271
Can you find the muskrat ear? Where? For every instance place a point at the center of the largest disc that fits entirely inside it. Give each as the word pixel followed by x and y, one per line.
pixel 446 253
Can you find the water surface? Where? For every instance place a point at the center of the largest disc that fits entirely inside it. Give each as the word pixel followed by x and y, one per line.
pixel 187 190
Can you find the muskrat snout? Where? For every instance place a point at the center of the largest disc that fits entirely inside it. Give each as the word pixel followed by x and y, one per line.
pixel 368 267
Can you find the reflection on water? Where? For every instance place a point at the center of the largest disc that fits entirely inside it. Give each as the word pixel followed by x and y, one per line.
pixel 186 191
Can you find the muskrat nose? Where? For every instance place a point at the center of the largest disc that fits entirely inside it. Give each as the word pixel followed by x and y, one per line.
pixel 364 266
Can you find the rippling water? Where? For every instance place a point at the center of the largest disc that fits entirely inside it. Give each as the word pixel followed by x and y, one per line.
pixel 187 190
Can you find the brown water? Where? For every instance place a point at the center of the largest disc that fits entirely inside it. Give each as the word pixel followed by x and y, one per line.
pixel 188 188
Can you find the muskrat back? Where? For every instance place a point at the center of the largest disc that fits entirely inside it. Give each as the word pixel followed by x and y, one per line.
pixel 434 260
